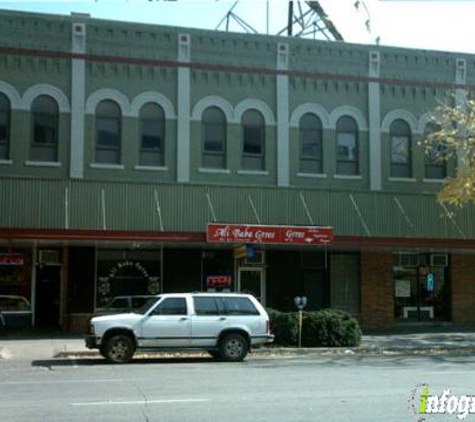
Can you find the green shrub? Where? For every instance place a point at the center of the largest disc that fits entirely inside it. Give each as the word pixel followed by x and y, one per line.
pixel 284 327
pixel 330 328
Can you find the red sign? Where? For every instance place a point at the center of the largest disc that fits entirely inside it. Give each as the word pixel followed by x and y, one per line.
pixel 11 259
pixel 285 235
pixel 218 281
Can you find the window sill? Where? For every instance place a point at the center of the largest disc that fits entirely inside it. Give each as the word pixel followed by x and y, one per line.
pixel 6 162
pixel 433 180
pixel 107 166
pixel 348 177
pixel 217 171
pixel 43 163
pixel 253 172
pixel 402 179
pixel 151 168
pixel 313 175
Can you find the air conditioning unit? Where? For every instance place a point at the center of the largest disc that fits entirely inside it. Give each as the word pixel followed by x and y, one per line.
pixel 439 260
pixel 407 259
pixel 49 256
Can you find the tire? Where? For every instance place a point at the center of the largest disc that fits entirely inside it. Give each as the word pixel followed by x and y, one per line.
pixel 233 347
pixel 119 348
pixel 215 354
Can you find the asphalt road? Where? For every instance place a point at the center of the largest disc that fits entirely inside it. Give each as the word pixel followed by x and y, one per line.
pixel 287 389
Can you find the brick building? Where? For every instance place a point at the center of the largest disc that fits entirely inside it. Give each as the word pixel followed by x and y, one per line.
pixel 121 142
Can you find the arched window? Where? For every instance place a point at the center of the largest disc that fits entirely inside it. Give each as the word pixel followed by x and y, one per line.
pixel 253 141
pixel 310 136
pixel 213 134
pixel 400 149
pixel 44 142
pixel 108 132
pixel 152 135
pixel 435 163
pixel 5 109
pixel 347 153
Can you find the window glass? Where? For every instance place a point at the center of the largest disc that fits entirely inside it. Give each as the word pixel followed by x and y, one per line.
pixel 108 132
pixel 214 138
pixel 401 155
pixel 171 306
pixel 253 146
pixel 4 127
pixel 310 134
pixel 206 306
pixel 347 146
pixel 152 135
pixel 240 306
pixel 119 302
pixel 44 145
pixel 435 164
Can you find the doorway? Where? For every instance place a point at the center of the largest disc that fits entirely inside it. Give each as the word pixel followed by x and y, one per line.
pixel 251 280
pixel 47 296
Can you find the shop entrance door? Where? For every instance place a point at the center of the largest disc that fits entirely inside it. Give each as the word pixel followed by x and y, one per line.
pixel 47 296
pixel 251 280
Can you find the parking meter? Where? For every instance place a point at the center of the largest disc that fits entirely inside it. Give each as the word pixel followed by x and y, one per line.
pixel 300 303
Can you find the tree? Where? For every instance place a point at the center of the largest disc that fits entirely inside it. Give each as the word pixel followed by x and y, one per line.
pixel 451 137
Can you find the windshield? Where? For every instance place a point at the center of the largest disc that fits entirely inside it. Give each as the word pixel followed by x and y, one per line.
pixel 147 305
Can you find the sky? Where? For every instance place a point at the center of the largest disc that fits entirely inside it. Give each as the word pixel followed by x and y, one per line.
pixel 426 24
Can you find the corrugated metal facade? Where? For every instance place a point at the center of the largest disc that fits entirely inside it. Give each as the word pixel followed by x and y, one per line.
pixel 83 205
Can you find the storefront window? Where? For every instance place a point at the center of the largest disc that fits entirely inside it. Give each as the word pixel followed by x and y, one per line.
pixel 421 288
pixel 217 271
pixel 15 273
pixel 127 273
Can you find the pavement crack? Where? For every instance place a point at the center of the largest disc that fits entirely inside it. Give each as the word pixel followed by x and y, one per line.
pixel 144 409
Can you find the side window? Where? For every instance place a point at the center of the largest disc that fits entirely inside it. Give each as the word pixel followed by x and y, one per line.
pixel 347 146
pixel 310 134
pixel 44 142
pixel 171 306
pixel 240 306
pixel 206 306
pixel 108 133
pixel 401 149
pixel 213 139
pixel 435 164
pixel 4 127
pixel 152 135
pixel 253 141
pixel 138 302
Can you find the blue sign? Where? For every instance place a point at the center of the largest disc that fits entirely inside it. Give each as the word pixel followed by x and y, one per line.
pixel 430 282
pixel 251 251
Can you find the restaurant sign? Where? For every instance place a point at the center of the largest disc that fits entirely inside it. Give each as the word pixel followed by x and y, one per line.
pixel 285 235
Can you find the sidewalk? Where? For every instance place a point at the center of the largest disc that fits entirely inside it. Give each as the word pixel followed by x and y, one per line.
pixel 63 347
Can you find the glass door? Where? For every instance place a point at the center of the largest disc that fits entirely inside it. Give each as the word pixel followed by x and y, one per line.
pixel 251 280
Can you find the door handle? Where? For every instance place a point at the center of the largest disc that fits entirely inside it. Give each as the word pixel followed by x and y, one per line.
pixel 184 319
pixel 222 318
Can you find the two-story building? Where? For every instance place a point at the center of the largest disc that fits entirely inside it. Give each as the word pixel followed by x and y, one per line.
pixel 121 142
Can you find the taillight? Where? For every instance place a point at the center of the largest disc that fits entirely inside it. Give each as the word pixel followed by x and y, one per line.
pixel 268 326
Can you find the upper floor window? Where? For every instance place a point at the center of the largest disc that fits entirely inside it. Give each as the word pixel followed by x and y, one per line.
pixel 310 134
pixel 347 146
pixel 213 138
pixel 152 135
pixel 435 164
pixel 253 142
pixel 108 132
pixel 44 142
pixel 400 149
pixel 4 127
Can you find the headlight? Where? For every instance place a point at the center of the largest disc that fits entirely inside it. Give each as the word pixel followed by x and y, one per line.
pixel 91 329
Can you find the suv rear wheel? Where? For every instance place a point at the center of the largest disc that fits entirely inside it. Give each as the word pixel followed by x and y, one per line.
pixel 233 347
pixel 119 348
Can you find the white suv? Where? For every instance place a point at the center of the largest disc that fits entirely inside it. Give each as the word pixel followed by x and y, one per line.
pixel 226 325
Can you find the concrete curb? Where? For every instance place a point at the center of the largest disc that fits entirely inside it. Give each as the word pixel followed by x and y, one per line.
pixel 294 351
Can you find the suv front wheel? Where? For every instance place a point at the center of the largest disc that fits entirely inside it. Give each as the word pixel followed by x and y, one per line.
pixel 119 348
pixel 233 347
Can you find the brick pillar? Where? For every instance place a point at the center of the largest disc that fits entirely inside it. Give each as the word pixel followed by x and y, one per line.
pixel 463 289
pixel 377 290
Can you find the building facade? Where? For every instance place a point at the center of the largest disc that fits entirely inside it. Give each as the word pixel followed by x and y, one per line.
pixel 121 142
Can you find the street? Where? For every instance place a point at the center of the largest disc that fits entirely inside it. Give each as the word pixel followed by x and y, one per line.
pixel 304 388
